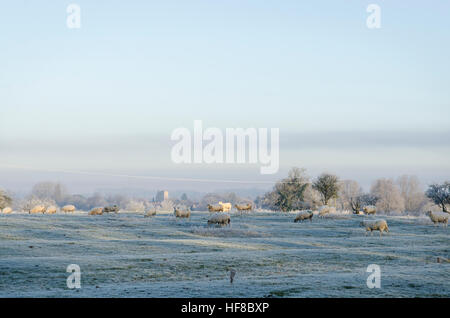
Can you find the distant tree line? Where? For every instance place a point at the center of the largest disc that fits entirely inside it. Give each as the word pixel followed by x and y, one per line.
pixel 295 192
pixel 298 191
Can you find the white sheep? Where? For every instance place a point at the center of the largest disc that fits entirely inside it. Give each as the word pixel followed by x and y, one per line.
pixel 325 209
pixel 96 211
pixel 151 212
pixel 226 206
pixel 181 213
pixel 370 209
pixel 37 209
pixel 438 217
pixel 51 210
pixel 215 208
pixel 7 210
pixel 376 225
pixel 68 208
pixel 304 215
pixel 220 218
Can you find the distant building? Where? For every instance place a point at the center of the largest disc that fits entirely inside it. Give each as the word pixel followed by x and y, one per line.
pixel 162 196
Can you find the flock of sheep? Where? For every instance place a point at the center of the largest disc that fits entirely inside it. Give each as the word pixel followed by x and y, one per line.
pixel 372 225
pixel 220 217
pixel 226 207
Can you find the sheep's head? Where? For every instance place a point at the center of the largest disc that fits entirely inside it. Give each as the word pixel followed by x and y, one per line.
pixel 428 213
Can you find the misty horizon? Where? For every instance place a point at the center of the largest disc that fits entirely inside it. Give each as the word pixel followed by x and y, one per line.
pixel 377 107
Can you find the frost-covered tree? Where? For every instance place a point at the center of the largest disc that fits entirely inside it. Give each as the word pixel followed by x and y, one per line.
pixel 389 198
pixel 118 199
pixel 311 198
pixel 415 199
pixel 79 201
pixel 135 205
pixel 5 200
pixel 268 201
pixel 349 190
pixel 440 195
pixel 97 200
pixel 30 202
pixel 328 186
pixel 50 190
pixel 288 194
pixel 167 205
pixel 358 202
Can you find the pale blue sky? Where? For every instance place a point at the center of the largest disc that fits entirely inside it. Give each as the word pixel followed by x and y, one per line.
pixel 138 69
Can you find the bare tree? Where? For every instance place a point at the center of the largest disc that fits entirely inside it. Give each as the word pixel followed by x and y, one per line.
pixel 135 205
pixel 5 200
pixel 79 201
pixel 358 202
pixel 411 192
pixel 349 190
pixel 97 200
pixel 59 193
pixel 328 186
pixel 117 199
pixel 311 198
pixel 30 202
pixel 389 198
pixel 49 190
pixel 43 190
pixel 167 205
pixel 440 194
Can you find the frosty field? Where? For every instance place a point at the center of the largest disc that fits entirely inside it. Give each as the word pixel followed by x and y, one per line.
pixel 127 255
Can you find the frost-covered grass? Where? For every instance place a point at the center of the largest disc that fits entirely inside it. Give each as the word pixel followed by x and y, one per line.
pixel 127 255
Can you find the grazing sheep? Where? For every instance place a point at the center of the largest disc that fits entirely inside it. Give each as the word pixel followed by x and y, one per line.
pixel 7 210
pixel 96 211
pixel 68 208
pixel 325 209
pixel 181 213
pixel 150 212
pixel 304 215
pixel 220 218
pixel 226 206
pixel 51 210
pixel 246 207
pixel 113 208
pixel 370 209
pixel 37 209
pixel 438 217
pixel 212 208
pixel 376 225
